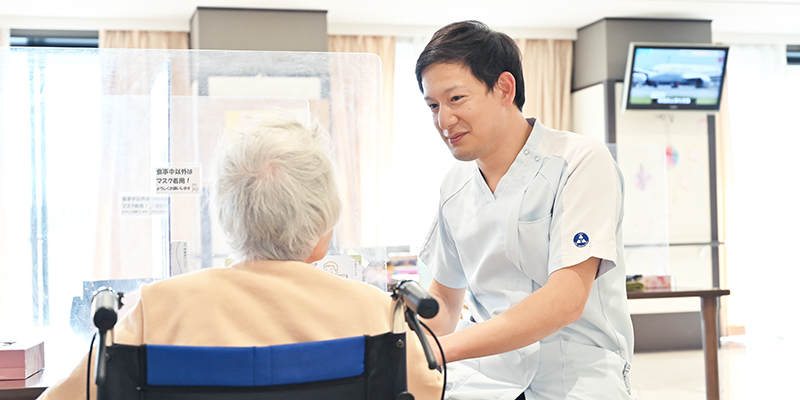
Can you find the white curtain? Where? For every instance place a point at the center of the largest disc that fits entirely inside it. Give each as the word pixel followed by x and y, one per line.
pixel 762 212
pixel 419 157
pixel 363 199
pixel 547 69
pixel 118 255
pixel 144 40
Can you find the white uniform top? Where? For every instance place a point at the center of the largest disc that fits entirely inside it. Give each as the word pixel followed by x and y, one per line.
pixel 559 204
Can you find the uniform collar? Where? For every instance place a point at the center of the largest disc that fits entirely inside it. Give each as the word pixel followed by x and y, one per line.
pixel 527 156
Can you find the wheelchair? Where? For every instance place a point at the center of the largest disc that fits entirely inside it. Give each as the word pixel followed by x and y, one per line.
pixel 355 368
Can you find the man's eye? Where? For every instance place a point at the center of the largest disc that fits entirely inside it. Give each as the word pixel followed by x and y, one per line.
pixel 456 98
pixel 433 106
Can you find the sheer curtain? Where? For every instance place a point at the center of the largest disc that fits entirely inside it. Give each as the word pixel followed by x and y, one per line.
pixel 49 101
pixel 384 47
pixel 547 68
pixel 4 262
pixel 762 214
pixel 419 157
pixel 143 40
pixel 371 148
pixel 119 253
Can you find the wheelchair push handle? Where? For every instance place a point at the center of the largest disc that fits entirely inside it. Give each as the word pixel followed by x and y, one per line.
pixel 105 304
pixel 416 298
pixel 416 301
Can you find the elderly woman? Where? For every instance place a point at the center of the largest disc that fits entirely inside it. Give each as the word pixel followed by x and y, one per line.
pixel 277 203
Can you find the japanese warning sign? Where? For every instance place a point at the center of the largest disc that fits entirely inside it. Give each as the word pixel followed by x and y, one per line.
pixel 178 180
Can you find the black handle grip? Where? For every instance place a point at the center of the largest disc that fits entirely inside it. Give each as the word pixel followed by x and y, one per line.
pixel 417 299
pixel 413 323
pixel 105 306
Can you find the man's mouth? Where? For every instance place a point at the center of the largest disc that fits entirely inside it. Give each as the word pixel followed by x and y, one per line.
pixel 453 138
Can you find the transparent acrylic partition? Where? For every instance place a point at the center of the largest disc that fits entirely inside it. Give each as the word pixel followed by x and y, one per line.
pixel 88 138
pixel 645 225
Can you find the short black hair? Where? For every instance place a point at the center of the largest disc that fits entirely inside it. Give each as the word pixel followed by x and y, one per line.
pixel 487 54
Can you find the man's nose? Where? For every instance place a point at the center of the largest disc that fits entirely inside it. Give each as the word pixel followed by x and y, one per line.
pixel 446 118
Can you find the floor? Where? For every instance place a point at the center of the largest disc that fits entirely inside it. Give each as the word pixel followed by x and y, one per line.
pixel 749 369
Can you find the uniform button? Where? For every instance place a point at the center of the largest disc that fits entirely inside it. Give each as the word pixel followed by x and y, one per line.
pixel 526 152
pixel 536 159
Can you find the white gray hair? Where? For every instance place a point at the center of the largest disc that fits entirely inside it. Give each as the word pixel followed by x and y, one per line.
pixel 275 191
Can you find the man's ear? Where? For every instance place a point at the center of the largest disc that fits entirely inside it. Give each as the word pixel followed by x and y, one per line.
pixel 506 87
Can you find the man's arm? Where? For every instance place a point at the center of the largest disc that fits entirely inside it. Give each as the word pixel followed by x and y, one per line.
pixel 558 303
pixel 451 302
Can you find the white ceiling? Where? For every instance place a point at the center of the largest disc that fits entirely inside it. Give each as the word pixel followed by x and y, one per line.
pixel 560 17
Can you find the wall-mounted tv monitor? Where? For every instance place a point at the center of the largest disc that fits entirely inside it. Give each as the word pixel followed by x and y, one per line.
pixel 677 77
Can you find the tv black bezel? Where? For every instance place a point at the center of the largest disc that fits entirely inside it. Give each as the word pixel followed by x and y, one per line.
pixel 708 108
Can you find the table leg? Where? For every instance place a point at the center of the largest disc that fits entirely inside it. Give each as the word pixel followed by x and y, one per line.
pixel 711 345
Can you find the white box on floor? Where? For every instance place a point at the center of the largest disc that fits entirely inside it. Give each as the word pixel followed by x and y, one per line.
pixel 19 360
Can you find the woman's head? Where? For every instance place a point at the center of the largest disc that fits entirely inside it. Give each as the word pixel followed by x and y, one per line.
pixel 275 191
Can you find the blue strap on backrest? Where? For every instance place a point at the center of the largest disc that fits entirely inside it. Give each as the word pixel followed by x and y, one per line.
pixel 255 366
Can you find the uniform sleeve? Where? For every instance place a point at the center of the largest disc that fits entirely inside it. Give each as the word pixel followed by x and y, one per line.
pixel 587 214
pixel 439 253
pixel 128 331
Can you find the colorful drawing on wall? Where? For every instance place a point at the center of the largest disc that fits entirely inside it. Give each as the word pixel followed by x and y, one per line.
pixel 672 156
pixel 646 223
pixel 643 178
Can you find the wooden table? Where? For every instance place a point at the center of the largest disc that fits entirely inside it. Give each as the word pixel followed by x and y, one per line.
pixel 58 364
pixel 27 389
pixel 709 310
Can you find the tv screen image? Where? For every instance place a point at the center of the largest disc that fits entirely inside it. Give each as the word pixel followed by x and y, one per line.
pixel 674 77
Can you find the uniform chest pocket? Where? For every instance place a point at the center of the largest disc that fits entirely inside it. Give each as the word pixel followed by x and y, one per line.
pixel 528 230
pixel 528 234
pixel 540 194
pixel 534 245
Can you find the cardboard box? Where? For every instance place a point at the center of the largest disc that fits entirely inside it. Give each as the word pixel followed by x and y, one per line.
pixel 19 360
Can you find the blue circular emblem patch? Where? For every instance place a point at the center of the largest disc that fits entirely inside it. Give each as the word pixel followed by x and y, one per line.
pixel 581 239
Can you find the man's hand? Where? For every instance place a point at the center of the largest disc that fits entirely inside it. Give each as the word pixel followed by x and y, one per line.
pixel 557 304
pixel 435 348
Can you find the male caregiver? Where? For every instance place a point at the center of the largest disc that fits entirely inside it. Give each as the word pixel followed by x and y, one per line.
pixel 527 234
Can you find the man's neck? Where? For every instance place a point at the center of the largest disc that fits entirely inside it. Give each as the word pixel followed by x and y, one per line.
pixel 494 167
